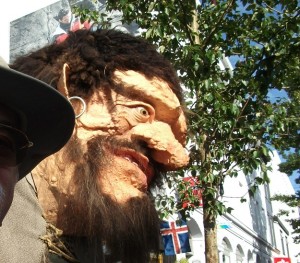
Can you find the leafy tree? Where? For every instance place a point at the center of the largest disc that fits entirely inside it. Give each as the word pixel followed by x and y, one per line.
pixel 233 122
pixel 289 145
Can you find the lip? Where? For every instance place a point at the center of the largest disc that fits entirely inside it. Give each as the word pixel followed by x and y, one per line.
pixel 138 159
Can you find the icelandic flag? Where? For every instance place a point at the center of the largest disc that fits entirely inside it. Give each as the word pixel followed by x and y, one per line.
pixel 175 237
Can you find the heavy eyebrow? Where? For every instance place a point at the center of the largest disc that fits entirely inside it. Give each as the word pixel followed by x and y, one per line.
pixel 130 91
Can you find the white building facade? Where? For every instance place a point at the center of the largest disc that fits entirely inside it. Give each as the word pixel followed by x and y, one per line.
pixel 253 232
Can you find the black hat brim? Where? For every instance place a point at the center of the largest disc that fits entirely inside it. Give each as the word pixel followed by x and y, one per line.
pixel 49 115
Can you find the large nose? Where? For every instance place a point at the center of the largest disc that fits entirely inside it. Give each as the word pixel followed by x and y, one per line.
pixel 165 144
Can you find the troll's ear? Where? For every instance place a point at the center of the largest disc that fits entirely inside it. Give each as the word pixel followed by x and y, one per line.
pixel 78 103
pixel 62 85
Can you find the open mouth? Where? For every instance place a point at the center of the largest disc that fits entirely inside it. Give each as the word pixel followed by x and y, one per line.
pixel 138 159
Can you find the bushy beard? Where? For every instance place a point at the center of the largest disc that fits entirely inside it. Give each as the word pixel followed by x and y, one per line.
pixel 129 231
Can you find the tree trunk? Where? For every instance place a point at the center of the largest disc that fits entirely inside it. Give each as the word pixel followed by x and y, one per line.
pixel 210 236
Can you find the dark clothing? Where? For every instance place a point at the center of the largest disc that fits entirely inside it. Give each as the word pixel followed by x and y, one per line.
pixel 22 227
pixel 25 233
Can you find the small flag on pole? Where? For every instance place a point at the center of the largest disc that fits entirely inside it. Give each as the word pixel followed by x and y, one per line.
pixel 175 237
pixel 225 225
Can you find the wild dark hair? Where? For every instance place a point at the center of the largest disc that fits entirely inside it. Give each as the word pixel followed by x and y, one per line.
pixel 93 56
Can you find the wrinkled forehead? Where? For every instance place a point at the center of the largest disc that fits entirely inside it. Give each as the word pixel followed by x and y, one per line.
pixel 154 91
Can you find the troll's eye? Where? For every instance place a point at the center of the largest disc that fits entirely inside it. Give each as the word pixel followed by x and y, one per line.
pixel 143 111
pixel 136 113
pixel 139 114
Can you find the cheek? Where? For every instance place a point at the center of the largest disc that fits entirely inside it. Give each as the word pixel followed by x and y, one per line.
pixel 121 180
pixel 98 121
pixel 120 124
pixel 8 180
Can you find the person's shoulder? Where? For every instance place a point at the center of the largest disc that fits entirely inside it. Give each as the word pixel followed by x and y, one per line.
pixel 23 226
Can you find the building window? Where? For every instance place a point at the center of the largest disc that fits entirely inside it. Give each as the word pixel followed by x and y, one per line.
pixel 226 251
pixel 287 246
pixel 250 257
pixel 239 254
pixel 282 243
pixel 272 232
